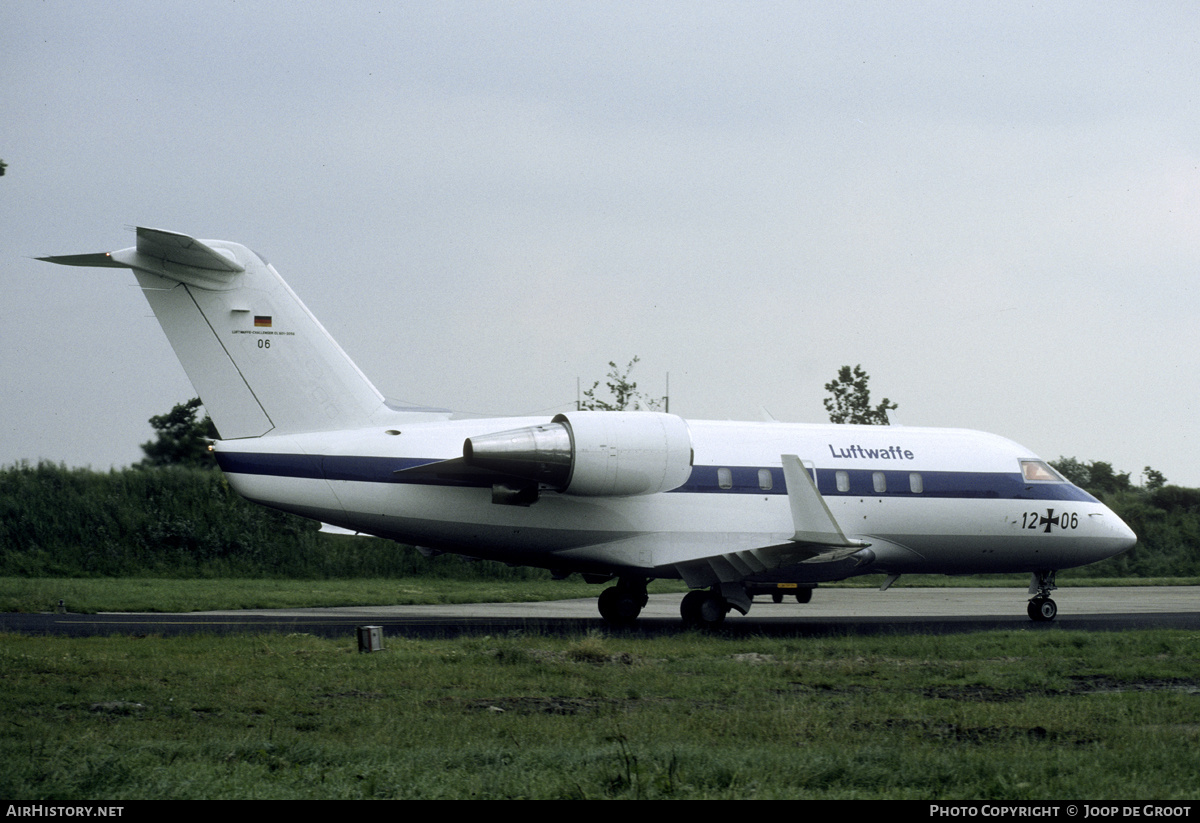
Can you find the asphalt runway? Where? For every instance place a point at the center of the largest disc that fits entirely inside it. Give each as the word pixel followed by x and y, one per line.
pixel 831 612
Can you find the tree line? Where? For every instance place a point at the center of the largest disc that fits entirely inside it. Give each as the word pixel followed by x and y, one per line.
pixel 1165 517
pixel 172 514
pixel 186 522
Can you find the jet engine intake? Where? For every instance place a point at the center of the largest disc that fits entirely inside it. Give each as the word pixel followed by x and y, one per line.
pixel 592 453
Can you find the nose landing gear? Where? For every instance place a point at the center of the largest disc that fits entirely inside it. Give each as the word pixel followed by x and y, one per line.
pixel 1041 608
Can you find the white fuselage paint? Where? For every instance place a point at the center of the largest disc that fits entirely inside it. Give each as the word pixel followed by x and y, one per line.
pixel 981 518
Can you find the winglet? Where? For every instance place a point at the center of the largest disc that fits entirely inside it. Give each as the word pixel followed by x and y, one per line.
pixel 814 522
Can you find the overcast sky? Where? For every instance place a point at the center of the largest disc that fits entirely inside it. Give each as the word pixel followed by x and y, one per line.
pixel 993 207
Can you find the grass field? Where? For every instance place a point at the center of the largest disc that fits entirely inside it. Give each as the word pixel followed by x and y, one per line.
pixel 89 595
pixel 1001 715
pixel 150 594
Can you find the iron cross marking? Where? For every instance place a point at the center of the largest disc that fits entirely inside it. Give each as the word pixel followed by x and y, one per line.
pixel 1050 520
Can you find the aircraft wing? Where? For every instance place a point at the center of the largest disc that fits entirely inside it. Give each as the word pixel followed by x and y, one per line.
pixel 817 538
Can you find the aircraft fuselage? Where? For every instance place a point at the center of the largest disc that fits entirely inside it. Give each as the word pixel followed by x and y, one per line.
pixel 926 500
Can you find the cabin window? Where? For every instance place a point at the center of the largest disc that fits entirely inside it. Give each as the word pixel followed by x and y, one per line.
pixel 916 484
pixel 725 478
pixel 764 479
pixel 879 481
pixel 843 481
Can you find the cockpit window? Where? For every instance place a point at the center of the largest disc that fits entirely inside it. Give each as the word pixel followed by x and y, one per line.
pixel 1037 471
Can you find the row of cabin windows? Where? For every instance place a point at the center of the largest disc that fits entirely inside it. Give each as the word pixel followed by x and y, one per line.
pixel 916 484
pixel 725 479
pixel 878 481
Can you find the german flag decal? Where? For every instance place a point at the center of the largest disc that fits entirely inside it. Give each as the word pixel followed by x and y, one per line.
pixel 262 321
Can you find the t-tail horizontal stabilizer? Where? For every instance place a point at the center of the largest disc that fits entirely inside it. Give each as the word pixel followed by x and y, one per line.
pixel 168 254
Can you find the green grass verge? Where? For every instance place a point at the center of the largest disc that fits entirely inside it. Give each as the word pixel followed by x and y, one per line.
pixel 138 594
pixel 90 595
pixel 1004 715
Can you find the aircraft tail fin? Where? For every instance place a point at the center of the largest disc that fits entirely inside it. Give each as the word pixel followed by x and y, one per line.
pixel 260 361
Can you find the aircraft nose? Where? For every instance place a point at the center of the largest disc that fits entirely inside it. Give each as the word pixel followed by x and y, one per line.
pixel 1121 538
pixel 1128 538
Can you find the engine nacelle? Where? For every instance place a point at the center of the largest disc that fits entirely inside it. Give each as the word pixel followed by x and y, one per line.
pixel 592 453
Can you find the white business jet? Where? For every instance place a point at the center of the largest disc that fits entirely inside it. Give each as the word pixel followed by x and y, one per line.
pixel 617 496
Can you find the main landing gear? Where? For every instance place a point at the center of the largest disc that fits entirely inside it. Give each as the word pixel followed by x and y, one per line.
pixel 1041 608
pixel 621 604
pixel 704 609
pixel 707 608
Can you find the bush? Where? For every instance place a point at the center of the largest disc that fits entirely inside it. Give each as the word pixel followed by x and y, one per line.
pixel 184 522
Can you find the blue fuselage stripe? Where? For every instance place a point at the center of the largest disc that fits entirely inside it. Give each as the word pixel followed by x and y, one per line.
pixel 703 479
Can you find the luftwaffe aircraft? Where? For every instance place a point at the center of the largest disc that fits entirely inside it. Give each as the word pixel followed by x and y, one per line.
pixel 626 497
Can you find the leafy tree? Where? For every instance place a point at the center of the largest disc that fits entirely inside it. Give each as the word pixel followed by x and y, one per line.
pixel 182 440
pixel 1104 478
pixel 851 400
pixel 1099 477
pixel 1165 518
pixel 1176 499
pixel 1074 471
pixel 1155 479
pixel 623 392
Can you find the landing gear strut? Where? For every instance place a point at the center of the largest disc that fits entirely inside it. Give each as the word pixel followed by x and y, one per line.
pixel 621 604
pixel 1041 608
